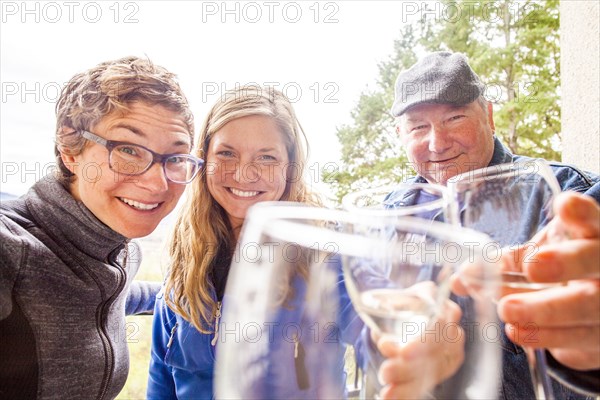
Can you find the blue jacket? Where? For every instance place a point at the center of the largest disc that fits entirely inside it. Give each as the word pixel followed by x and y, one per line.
pixel 182 361
pixel 516 382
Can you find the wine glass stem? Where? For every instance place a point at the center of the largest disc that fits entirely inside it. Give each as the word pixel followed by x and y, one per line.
pixel 542 385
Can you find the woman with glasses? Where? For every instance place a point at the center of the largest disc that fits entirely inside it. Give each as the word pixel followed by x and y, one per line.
pixel 123 137
pixel 254 149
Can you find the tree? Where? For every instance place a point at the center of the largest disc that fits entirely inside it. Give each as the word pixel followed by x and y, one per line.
pixel 514 48
pixel 370 153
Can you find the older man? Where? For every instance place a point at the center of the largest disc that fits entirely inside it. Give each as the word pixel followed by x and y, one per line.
pixel 446 126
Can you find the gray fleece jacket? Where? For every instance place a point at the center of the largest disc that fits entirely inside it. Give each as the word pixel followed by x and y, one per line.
pixel 65 278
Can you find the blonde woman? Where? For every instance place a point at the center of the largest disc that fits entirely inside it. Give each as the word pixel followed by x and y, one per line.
pixel 255 151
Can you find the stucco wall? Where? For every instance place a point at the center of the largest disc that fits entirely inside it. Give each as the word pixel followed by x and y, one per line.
pixel 580 81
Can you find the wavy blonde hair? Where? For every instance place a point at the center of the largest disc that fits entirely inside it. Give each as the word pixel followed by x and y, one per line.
pixel 202 227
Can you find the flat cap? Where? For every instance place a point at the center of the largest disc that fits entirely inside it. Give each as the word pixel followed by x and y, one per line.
pixel 440 77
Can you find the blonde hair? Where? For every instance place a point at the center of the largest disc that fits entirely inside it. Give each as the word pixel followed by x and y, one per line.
pixel 106 88
pixel 203 230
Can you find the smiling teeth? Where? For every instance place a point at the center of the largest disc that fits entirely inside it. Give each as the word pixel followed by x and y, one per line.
pixel 242 193
pixel 138 205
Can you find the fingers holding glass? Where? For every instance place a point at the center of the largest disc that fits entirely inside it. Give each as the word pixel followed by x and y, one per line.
pixel 416 368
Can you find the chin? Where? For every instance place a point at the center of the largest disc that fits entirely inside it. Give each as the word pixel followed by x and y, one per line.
pixel 137 233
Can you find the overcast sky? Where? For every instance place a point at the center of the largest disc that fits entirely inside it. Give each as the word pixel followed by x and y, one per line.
pixel 322 54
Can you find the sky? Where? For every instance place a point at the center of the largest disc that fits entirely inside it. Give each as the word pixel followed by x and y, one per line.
pixel 322 55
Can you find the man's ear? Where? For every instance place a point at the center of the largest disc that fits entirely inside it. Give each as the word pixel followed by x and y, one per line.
pixel 397 122
pixel 491 116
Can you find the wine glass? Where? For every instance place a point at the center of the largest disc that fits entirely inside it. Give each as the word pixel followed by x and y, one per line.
pixel 390 202
pixel 511 203
pixel 399 293
pixel 421 200
pixel 283 301
pixel 398 283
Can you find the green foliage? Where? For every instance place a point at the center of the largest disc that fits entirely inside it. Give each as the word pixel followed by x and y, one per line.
pixel 514 48
pixel 370 153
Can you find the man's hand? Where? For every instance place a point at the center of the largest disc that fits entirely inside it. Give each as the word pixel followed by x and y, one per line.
pixel 413 369
pixel 563 319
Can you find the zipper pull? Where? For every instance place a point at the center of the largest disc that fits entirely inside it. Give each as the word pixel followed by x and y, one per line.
pixel 300 365
pixel 126 255
pixel 217 320
pixel 172 335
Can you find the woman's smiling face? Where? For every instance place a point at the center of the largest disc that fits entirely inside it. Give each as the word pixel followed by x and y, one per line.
pixel 247 163
pixel 130 205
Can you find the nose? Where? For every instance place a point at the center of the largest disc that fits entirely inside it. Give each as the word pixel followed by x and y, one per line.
pixel 154 179
pixel 439 139
pixel 246 173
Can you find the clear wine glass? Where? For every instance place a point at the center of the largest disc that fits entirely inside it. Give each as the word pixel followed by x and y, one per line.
pixel 390 202
pixel 399 293
pixel 511 203
pixel 397 273
pixel 281 322
pixel 421 200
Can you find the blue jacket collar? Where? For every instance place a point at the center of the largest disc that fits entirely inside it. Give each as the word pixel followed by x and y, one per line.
pixel 502 154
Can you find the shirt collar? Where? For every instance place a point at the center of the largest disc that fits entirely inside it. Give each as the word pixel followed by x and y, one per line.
pixel 501 155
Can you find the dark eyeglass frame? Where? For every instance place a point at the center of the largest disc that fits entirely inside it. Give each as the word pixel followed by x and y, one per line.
pixel 156 157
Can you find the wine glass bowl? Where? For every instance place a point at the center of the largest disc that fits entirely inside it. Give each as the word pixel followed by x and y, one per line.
pixel 400 288
pixel 421 200
pixel 396 272
pixel 508 202
pixel 281 318
pixel 511 203
pixel 404 278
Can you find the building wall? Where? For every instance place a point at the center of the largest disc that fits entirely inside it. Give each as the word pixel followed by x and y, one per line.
pixel 580 82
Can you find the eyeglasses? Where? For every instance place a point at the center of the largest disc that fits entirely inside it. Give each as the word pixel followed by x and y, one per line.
pixel 132 159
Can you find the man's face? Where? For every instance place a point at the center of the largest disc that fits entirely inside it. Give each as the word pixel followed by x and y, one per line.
pixel 442 140
pixel 130 205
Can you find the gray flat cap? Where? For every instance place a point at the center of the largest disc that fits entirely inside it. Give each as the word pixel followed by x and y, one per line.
pixel 441 77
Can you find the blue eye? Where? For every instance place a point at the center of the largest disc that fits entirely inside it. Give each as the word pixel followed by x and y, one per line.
pixel 127 150
pixel 176 160
pixel 130 151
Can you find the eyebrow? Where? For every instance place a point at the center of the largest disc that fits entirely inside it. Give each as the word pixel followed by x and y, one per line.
pixel 138 132
pixel 458 108
pixel 263 150
pixel 413 119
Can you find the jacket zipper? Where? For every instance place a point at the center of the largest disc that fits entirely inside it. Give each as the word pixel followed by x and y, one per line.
pixel 217 320
pixel 109 366
pixel 300 366
pixel 172 335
